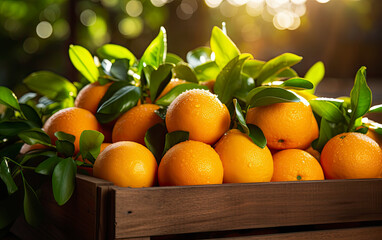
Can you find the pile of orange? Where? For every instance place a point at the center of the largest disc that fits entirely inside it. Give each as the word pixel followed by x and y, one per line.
pixel 216 152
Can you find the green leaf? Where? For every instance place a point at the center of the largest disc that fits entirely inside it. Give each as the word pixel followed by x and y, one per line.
pixel 35 136
pixel 12 128
pixel 185 72
pixel 327 110
pixel 6 176
pixel 63 180
pixel 277 65
pixel 155 53
pixel 207 71
pixel 65 148
pixel 223 47
pixel 247 86
pixel 90 144
pixel 257 136
pixel 155 140
pixel 240 117
pixel 297 83
pixel 8 98
pixel 50 85
pixel 327 131
pixel 159 79
pixel 47 166
pixel 161 112
pixel 315 74
pixel 362 130
pixel 229 79
pixel 120 68
pixel 33 211
pixel 199 56
pixel 360 96
pixel 65 136
pixel 120 102
pixel 176 91
pixel 83 61
pixel 268 96
pixel 174 138
pixel 376 109
pixel 31 115
pixel 286 74
pixel 173 58
pixel 253 67
pixel 112 51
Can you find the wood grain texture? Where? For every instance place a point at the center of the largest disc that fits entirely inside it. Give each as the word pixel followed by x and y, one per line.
pixel 174 210
pixel 365 233
pixel 77 219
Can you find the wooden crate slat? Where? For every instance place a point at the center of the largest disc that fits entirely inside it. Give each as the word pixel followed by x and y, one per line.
pixel 77 219
pixel 363 233
pixel 175 210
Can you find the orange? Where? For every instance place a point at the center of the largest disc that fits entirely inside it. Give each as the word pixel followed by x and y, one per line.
pixel 375 136
pixel 210 84
pixel 285 125
pixel 27 148
pixel 90 96
pixel 73 121
pixel 190 163
pixel 200 113
pixel 173 83
pixel 296 165
pixel 90 170
pixel 316 154
pixel 133 125
pixel 351 155
pixel 243 161
pixel 126 164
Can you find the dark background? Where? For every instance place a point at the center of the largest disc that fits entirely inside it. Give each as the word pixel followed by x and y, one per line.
pixel 344 34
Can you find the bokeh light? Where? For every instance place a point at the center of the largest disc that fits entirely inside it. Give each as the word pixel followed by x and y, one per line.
pixel 134 8
pixel 88 17
pixel 30 45
pixel 44 29
pixel 130 27
pixel 213 3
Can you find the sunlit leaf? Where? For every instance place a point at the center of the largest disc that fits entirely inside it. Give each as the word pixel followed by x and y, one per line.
pixel 223 47
pixel 155 53
pixel 173 58
pixel 268 96
pixel 8 98
pixel 199 56
pixel 207 71
pixel 315 74
pixel 297 83
pixel 83 61
pixel 327 110
pixel 159 78
pixel 229 79
pixel 184 72
pixel 176 91
pixel 90 144
pixel 112 51
pixel 277 65
pixel 50 85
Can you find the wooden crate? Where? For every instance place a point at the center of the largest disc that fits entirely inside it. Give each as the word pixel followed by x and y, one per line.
pixel 330 209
